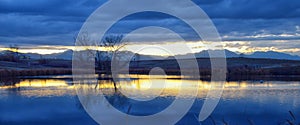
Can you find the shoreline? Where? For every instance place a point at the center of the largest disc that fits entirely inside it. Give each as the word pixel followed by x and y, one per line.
pixel 66 73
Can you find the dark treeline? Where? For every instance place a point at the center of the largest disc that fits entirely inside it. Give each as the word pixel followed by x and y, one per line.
pixel 4 73
pixel 235 66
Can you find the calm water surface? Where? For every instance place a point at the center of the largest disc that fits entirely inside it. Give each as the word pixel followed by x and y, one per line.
pixel 54 101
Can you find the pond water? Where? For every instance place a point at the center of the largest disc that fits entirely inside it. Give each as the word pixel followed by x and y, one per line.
pixel 54 101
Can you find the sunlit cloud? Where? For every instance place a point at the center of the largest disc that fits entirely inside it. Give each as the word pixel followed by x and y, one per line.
pixel 161 49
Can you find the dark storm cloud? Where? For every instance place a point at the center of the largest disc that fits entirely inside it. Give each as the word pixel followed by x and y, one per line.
pixel 57 21
pixel 258 29
pixel 253 9
pixel 47 22
pixel 245 9
pixel 78 8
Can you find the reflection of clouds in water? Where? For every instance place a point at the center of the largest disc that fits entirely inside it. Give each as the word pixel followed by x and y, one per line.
pixel 242 96
pixel 281 92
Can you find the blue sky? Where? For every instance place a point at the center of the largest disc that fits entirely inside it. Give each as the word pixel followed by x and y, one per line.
pixel 259 24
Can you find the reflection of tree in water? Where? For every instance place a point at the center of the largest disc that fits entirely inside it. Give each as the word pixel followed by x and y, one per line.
pixel 89 95
pixel 117 99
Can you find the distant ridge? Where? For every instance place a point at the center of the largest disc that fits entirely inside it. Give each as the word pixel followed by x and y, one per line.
pixel 273 55
pixel 228 54
pixel 257 55
pixel 67 55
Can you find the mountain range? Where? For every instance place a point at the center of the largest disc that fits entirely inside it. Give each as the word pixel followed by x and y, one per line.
pixel 257 55
pixel 67 55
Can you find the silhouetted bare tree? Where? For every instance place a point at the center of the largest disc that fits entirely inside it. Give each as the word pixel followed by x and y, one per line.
pixel 104 52
pixel 112 45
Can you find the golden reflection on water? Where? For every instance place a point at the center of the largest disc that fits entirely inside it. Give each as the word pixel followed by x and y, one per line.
pixel 40 88
pixel 42 83
pixel 146 87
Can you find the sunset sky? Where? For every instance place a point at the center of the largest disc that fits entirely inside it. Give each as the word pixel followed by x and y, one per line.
pixel 245 26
